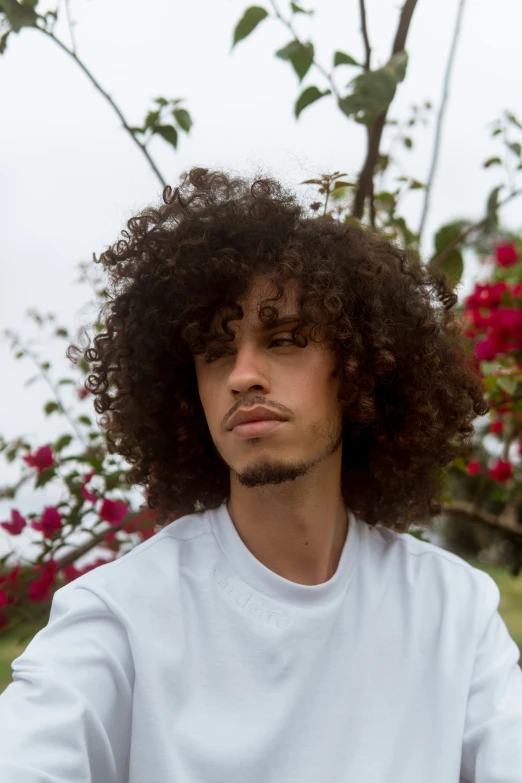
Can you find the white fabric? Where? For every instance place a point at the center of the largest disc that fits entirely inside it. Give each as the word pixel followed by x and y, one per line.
pixel 188 661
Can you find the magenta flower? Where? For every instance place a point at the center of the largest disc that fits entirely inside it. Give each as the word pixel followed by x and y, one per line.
pixel 16 525
pixel 113 511
pixel 41 459
pixel 506 255
pixel 50 521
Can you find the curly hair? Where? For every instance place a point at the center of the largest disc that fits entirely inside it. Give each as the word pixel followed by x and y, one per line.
pixel 410 386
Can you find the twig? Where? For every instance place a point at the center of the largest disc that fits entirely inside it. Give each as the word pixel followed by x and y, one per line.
pixel 108 98
pixel 375 131
pixel 44 374
pixel 364 30
pixel 441 257
pixel 70 25
pixel 312 59
pixel 440 118
pixel 502 522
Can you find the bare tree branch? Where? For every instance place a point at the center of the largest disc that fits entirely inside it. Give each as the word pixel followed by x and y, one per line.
pixel 504 522
pixel 108 98
pixel 364 30
pixel 70 25
pixel 440 118
pixel 441 257
pixel 364 184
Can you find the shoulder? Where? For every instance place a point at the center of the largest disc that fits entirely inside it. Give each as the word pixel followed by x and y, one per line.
pixel 148 570
pixel 424 572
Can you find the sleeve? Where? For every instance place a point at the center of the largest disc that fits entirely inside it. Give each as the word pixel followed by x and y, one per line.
pixel 67 714
pixel 492 742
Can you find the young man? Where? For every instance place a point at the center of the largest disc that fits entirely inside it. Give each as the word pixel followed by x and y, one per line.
pixel 289 395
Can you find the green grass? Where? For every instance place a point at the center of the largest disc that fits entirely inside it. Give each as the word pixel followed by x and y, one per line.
pixel 510 610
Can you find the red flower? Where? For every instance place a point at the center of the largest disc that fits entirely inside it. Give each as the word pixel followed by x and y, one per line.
pixel 496 427
pixel 474 467
pixel 85 492
pixel 40 589
pixel 113 511
pixel 501 471
pixel 82 392
pixel 41 459
pixel 506 255
pixel 50 522
pixel 16 525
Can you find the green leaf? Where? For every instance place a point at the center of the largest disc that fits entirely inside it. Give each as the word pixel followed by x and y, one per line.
pixel 65 381
pixel 373 91
pixel 44 477
pixel 515 147
pixel 453 267
pixel 340 58
pixel 3 41
pixel 511 117
pixel 460 464
pixel 298 10
pixel 408 142
pixel 85 420
pixel 492 162
pixel 135 129
pixel 342 184
pixel 161 101
pixel 51 407
pixel 308 96
pixel 416 185
pixel 18 15
pixel 62 442
pixel 11 454
pixel 151 119
pixel 300 55
pixel 507 384
pixel 492 210
pixel 169 133
pixel 248 22
pixel 447 234
pixel 183 119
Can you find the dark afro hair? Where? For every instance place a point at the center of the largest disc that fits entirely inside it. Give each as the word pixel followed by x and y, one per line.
pixel 410 387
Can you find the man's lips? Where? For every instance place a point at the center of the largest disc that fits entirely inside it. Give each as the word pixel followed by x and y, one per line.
pixel 257 414
pixel 251 429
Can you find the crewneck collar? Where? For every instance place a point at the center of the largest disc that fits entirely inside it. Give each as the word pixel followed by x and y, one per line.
pixel 262 579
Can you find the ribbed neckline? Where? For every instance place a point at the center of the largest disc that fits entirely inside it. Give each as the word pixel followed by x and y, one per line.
pixel 262 579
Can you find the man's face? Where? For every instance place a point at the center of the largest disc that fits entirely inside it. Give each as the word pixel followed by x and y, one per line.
pixel 266 368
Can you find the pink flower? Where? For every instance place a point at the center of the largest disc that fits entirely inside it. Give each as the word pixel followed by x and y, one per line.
pixel 496 427
pixel 501 471
pixel 474 467
pixel 113 511
pixel 506 255
pixel 85 492
pixel 50 522
pixel 40 589
pixel 16 525
pixel 41 459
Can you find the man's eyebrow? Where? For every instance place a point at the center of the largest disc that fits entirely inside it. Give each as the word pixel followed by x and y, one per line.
pixel 267 326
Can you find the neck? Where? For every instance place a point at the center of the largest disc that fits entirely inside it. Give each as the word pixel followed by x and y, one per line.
pixel 297 529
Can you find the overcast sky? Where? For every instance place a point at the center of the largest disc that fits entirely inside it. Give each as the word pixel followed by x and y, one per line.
pixel 70 176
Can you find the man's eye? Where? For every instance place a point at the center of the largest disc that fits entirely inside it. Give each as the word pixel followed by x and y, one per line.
pixel 283 340
pixel 212 355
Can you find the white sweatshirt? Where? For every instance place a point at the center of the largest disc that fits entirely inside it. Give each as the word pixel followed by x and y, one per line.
pixel 188 661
